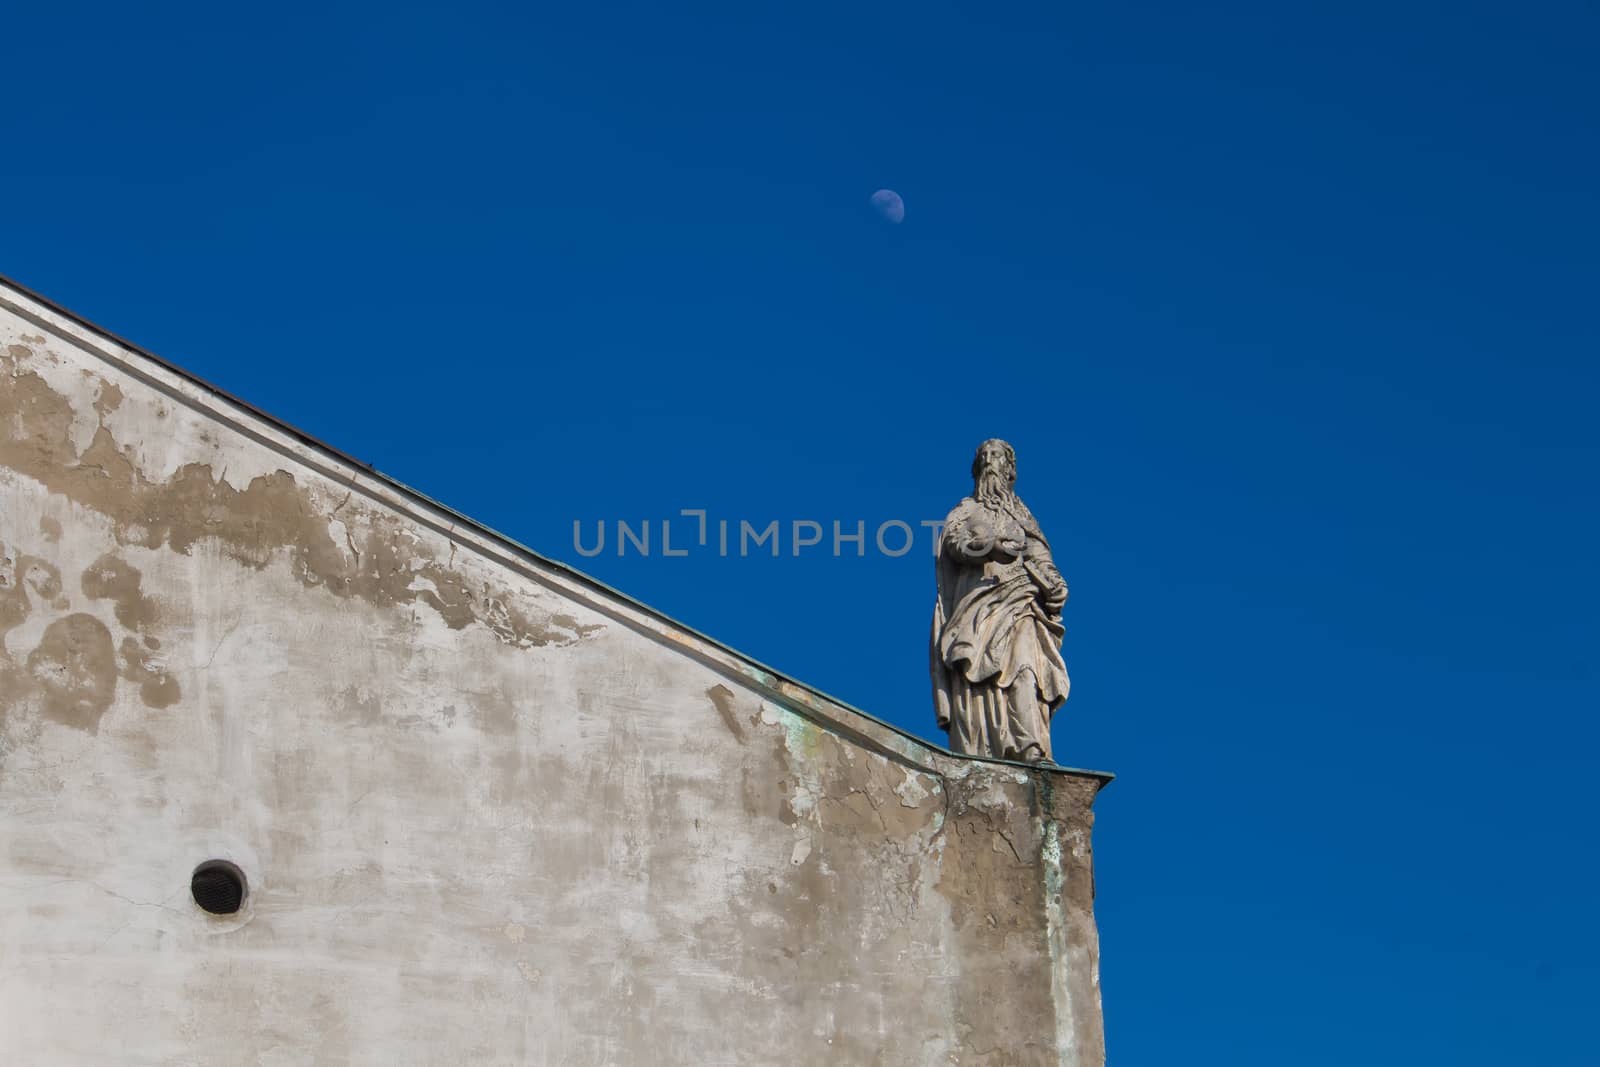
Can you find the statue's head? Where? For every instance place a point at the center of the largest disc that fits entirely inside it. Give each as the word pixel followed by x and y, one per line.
pixel 994 470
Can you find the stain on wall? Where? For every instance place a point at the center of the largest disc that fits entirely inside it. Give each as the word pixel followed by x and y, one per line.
pixel 479 820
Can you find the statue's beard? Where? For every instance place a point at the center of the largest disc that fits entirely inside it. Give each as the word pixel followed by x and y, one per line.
pixel 993 487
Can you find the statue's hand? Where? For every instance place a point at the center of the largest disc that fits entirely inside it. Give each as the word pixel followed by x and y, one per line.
pixel 1009 548
pixel 1056 598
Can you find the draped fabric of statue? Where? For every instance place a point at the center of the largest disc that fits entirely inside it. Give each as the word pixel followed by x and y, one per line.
pixel 995 653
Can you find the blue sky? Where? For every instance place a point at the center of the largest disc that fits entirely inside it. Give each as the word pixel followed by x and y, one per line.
pixel 1290 314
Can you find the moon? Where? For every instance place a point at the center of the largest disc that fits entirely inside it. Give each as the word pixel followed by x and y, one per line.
pixel 889 205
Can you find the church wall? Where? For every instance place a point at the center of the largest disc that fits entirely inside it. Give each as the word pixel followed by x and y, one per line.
pixel 487 812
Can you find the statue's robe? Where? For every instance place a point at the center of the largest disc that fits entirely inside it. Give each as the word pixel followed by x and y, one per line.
pixel 995 652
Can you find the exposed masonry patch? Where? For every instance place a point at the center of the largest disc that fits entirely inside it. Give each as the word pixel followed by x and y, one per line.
pixel 111 578
pixel 75 660
pixel 76 670
pixel 625 867
pixel 722 699
pixel 385 564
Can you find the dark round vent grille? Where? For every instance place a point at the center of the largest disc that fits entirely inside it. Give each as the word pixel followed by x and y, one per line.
pixel 218 887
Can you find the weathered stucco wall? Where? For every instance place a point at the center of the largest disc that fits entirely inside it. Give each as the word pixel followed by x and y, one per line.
pixel 488 812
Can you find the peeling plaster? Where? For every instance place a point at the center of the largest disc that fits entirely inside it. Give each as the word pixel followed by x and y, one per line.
pixel 480 818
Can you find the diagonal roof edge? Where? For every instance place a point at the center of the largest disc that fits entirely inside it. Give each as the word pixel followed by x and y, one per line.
pixel 829 712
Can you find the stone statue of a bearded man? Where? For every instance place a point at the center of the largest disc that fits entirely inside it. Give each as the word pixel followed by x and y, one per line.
pixel 995 656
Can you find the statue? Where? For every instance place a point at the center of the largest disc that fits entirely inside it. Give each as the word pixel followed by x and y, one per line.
pixel 995 652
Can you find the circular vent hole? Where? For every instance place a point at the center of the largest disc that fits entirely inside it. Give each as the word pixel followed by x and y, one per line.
pixel 218 887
